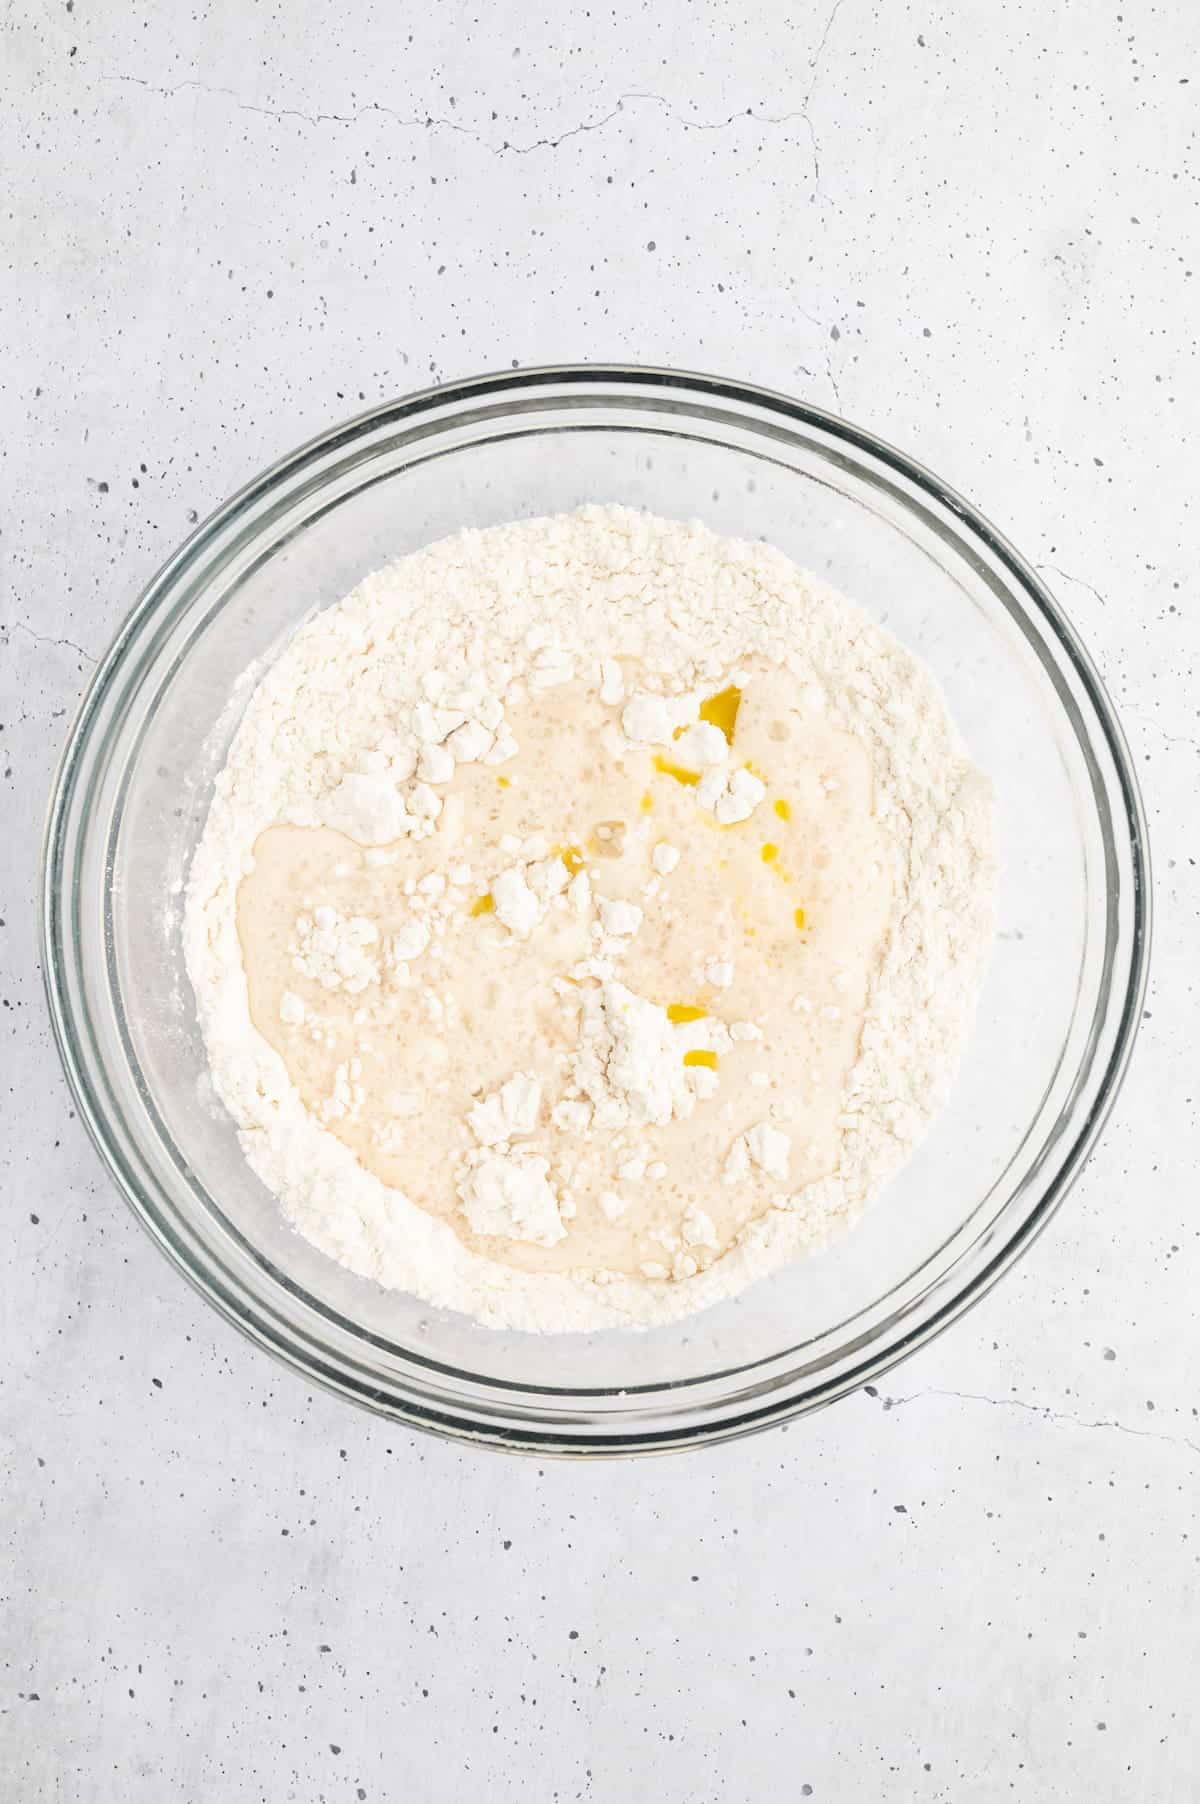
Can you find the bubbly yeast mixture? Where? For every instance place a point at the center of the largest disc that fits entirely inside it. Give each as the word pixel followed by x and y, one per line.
pixel 757 938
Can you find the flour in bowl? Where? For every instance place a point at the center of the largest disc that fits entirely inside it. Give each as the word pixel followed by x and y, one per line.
pixel 588 919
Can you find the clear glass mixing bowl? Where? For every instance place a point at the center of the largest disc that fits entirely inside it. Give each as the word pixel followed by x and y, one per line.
pixel 1057 1017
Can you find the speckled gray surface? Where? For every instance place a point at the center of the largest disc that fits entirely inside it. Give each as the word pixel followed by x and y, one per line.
pixel 970 227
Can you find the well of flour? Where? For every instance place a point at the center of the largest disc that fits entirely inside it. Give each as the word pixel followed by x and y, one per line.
pixel 588 919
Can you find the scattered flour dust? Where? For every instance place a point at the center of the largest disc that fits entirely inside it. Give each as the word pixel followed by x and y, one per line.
pixel 588 919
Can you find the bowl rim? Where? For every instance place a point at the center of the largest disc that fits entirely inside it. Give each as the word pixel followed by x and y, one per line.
pixel 562 1435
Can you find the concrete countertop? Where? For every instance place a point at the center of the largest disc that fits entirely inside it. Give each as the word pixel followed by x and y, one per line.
pixel 969 227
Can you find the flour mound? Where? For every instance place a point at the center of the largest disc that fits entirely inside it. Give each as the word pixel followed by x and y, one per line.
pixel 364 716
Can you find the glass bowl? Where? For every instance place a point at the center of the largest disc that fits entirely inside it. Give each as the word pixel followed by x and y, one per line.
pixel 1057 1016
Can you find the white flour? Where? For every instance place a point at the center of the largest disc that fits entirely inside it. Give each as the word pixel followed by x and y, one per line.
pixel 361 724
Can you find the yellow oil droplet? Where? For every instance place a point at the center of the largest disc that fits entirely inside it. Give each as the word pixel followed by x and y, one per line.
pixel 680 774
pixel 754 770
pixel 573 858
pixel 504 782
pixel 647 802
pixel 801 919
pixel 700 1057
pixel 770 853
pixel 721 710
pixel 685 1011
pixel 783 809
pixel 484 905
